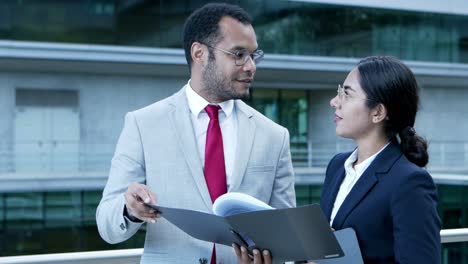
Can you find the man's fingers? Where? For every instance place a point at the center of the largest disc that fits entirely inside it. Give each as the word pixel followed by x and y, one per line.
pixel 135 197
pixel 149 220
pixel 147 195
pixel 257 257
pixel 245 255
pixel 236 250
pixel 152 197
pixel 147 214
pixel 142 211
pixel 130 201
pixel 142 193
pixel 266 257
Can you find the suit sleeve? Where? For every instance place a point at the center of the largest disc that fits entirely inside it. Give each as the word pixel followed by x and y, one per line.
pixel 283 193
pixel 127 167
pixel 327 179
pixel 415 220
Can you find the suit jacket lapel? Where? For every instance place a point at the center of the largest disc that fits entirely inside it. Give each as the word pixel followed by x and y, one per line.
pixel 328 201
pixel 359 191
pixel 381 165
pixel 245 139
pixel 183 128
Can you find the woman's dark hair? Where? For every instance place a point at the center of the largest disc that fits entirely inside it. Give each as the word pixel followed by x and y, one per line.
pixel 203 25
pixel 386 80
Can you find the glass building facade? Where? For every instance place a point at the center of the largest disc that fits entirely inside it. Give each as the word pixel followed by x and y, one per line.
pixel 282 27
pixel 53 222
pixel 58 222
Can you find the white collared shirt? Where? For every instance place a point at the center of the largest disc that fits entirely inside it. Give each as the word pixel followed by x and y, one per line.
pixel 227 122
pixel 352 176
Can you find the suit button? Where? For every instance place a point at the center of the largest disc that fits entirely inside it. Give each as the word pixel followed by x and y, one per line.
pixel 122 226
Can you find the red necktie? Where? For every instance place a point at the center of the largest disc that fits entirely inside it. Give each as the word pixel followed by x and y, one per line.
pixel 215 170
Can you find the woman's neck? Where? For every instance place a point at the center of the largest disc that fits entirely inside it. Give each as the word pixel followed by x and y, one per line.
pixel 369 146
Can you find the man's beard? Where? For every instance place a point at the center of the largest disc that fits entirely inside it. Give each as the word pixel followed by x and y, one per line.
pixel 218 86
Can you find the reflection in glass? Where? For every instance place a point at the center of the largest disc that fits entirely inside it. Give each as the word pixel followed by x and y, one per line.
pixel 53 222
pixel 282 27
pixel 288 108
pixel 266 101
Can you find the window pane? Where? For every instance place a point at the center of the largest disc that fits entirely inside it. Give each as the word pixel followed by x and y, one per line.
pixel 282 27
pixel 266 102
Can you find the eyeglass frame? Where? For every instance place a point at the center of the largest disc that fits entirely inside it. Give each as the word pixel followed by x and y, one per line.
pixel 342 95
pixel 257 60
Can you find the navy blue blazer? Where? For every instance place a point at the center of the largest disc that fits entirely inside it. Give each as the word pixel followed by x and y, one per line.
pixel 392 208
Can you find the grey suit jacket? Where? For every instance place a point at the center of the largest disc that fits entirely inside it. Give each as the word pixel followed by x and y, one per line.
pixel 157 147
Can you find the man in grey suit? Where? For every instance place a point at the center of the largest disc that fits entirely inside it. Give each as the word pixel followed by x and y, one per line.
pixel 163 155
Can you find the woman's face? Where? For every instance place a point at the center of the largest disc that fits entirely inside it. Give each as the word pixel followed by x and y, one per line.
pixel 353 118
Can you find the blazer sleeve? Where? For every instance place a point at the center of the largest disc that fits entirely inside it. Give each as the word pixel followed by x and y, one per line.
pixel 327 179
pixel 415 219
pixel 127 167
pixel 326 188
pixel 283 193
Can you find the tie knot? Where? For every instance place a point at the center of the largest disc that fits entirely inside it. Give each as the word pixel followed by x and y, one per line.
pixel 212 111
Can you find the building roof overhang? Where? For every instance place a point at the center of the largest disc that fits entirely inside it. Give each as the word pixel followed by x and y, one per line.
pixel 275 71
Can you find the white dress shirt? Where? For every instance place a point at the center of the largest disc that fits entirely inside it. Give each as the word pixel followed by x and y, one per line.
pixel 227 122
pixel 352 176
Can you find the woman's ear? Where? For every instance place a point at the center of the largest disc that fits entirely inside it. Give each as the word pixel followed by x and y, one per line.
pixel 379 113
pixel 199 53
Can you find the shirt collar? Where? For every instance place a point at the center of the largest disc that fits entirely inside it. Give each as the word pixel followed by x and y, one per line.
pixel 361 167
pixel 197 103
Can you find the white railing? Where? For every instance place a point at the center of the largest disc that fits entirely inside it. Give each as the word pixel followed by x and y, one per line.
pixel 443 155
pixel 121 256
pixel 52 156
pixel 132 256
pixel 452 155
pixel 454 235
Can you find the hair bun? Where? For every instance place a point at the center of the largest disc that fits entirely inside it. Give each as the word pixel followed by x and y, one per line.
pixel 410 131
pixel 414 146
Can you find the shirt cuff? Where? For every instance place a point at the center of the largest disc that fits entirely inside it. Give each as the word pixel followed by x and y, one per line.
pixel 130 217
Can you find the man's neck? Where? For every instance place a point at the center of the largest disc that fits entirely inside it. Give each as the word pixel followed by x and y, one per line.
pixel 197 87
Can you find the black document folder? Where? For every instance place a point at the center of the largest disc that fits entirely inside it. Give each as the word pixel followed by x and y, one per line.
pixel 290 234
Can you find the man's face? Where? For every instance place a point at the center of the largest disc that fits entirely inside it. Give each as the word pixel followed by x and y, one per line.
pixel 222 78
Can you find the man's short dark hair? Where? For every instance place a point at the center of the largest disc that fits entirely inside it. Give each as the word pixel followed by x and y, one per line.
pixel 203 25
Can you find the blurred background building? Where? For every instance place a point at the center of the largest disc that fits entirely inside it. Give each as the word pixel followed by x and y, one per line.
pixel 71 69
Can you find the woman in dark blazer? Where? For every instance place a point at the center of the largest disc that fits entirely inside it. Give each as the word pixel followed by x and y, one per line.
pixel 381 189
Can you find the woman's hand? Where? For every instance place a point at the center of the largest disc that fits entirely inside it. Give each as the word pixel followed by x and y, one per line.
pixel 244 258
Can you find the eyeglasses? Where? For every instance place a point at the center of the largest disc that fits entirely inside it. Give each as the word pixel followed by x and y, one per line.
pixel 341 93
pixel 343 96
pixel 241 57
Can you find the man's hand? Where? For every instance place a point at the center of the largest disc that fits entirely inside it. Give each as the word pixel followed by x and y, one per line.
pixel 244 258
pixel 136 195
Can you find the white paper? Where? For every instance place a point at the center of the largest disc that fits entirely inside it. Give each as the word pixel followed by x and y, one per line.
pixel 235 203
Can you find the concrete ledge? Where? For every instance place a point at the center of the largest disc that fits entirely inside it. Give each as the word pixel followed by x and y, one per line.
pixel 282 70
